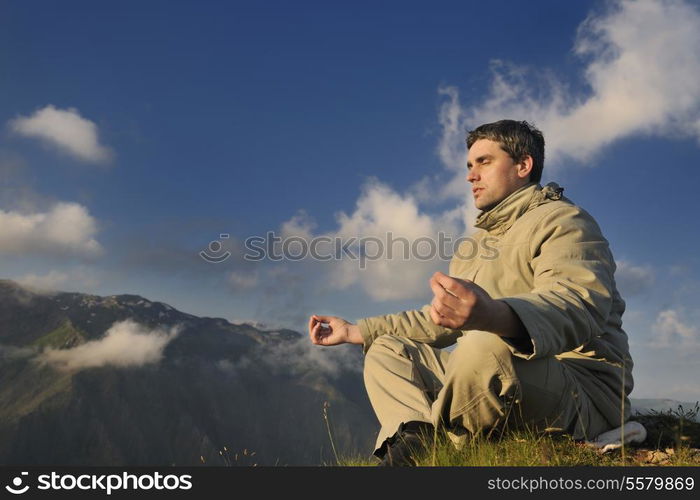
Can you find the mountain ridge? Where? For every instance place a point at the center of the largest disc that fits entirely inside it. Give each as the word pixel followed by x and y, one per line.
pixel 207 383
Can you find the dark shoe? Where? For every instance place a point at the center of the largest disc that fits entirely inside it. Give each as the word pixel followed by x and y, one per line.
pixel 409 441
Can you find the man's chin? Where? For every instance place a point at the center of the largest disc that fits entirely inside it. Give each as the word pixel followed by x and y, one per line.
pixel 485 207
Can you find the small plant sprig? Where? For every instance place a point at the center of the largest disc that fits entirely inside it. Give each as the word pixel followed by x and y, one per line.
pixel 327 405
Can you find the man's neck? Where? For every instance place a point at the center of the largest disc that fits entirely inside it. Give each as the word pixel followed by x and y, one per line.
pixel 496 203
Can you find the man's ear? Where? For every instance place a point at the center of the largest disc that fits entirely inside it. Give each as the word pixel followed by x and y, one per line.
pixel 525 167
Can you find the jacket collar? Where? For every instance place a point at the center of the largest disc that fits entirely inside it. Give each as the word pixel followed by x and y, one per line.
pixel 501 217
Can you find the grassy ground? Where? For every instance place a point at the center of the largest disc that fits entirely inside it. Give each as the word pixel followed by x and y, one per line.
pixel 673 439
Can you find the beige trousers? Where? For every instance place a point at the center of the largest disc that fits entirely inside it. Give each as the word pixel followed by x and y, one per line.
pixel 476 388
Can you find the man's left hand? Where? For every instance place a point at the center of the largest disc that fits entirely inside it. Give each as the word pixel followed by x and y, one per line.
pixel 461 304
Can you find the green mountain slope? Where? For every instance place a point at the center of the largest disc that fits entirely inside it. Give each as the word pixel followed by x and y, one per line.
pixel 259 394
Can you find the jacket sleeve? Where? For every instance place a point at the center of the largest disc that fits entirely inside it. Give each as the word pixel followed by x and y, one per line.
pixel 573 284
pixel 415 325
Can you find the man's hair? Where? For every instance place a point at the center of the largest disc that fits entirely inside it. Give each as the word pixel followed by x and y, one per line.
pixel 518 139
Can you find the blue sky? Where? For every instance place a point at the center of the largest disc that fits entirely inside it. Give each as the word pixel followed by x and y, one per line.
pixel 133 134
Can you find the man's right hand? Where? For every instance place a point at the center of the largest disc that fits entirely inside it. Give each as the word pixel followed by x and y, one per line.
pixel 332 330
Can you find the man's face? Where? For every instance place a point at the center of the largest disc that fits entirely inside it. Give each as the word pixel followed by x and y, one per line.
pixel 492 173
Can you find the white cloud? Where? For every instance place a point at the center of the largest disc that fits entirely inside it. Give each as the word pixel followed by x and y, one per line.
pixel 387 215
pixel 642 68
pixel 380 211
pixel 125 344
pixel 67 228
pixel 79 279
pixel 300 225
pixel 670 330
pixel 65 129
pixel 632 279
pixel 452 148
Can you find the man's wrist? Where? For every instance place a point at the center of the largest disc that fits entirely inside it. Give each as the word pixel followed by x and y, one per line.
pixel 354 335
pixel 505 322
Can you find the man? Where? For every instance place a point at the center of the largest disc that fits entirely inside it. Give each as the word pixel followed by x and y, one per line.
pixel 538 328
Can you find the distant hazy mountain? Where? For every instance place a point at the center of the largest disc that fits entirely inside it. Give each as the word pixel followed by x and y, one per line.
pixel 123 380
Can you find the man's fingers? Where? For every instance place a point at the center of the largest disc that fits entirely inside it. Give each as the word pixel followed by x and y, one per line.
pixel 451 285
pixel 312 324
pixel 316 328
pixel 315 332
pixel 446 299
pixel 446 282
pixel 321 331
pixel 319 337
pixel 440 308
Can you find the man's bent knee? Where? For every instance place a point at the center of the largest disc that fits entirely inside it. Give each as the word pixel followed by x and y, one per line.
pixel 480 384
pixel 480 352
pixel 384 349
pixel 393 342
pixel 389 345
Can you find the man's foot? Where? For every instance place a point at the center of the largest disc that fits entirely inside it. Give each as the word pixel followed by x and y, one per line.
pixel 410 440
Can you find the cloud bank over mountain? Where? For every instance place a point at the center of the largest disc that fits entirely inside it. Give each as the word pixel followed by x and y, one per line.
pixel 125 344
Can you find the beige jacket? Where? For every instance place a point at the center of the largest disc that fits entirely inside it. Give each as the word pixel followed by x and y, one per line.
pixel 548 260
